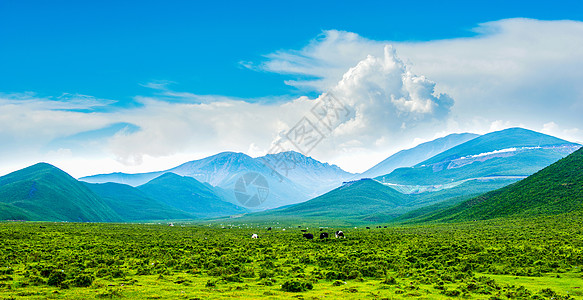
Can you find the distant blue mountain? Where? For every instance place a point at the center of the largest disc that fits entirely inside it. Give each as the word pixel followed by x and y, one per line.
pixel 189 195
pixel 291 176
pixel 514 152
pixel 479 165
pixel 413 156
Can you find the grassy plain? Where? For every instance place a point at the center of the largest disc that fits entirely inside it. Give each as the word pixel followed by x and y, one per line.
pixel 500 259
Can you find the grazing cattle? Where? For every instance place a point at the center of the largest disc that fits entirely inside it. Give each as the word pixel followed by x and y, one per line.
pixel 321 229
pixel 269 228
pixel 299 226
pixel 303 230
pixel 385 226
pixel 367 227
pixel 254 236
pixel 339 234
pixel 308 236
pixel 323 235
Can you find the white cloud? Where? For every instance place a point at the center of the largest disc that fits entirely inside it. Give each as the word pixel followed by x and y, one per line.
pixel 512 71
pixel 516 72
pixel 381 93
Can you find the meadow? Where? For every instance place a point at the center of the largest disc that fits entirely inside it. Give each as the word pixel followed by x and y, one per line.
pixel 539 258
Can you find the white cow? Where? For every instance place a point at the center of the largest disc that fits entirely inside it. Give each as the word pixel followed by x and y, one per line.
pixel 255 236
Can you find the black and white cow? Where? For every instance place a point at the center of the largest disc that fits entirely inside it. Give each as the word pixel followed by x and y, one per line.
pixel 339 234
pixel 254 236
pixel 323 235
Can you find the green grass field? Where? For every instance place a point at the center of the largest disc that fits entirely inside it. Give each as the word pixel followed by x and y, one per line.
pixel 500 259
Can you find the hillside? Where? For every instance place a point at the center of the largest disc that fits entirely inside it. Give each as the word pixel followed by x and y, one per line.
pixel 344 205
pixel 513 152
pixel 44 192
pixel 292 177
pixel 368 201
pixel 189 195
pixel 415 155
pixel 556 189
pixel 496 141
pixel 134 205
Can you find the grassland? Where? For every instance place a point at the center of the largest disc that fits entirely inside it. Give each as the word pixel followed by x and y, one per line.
pixel 499 259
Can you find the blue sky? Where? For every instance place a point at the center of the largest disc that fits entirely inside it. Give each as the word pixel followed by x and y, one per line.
pixel 145 85
pixel 108 48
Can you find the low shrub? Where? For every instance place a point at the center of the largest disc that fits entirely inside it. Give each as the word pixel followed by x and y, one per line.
pixel 296 286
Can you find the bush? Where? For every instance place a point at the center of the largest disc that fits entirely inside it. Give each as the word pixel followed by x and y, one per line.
pixel 35 280
pixel 110 293
pixel 6 271
pixel 452 293
pixel 232 278
pixel 211 284
pixel 57 278
pixel 83 280
pixel 267 281
pixel 102 272
pixel 389 280
pixel 338 283
pixel 296 286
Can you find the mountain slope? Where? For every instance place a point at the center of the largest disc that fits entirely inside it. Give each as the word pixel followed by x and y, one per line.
pixel 134 205
pixel 45 193
pixel 554 190
pixel 455 177
pixel 413 156
pixel 292 177
pixel 189 195
pixel 507 153
pixel 347 204
pixel 497 141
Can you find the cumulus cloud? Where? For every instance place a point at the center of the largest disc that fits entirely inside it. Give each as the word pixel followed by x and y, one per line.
pixel 382 97
pixel 508 74
pixel 511 71
pixel 384 103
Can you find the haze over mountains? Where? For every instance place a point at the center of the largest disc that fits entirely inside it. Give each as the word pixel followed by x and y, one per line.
pixel 292 177
pixel 413 156
pixel 430 177
pixel 556 189
pixel 479 165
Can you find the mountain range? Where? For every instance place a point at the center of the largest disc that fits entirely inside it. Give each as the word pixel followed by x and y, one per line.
pixel 556 189
pixel 413 156
pixel 291 177
pixel 431 178
pixel 43 192
pixel 480 165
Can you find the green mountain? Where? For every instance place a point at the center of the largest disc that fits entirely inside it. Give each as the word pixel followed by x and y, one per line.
pixel 417 154
pixel 347 204
pixel 134 205
pixel 189 195
pixel 556 189
pixel 353 199
pixel 368 201
pixel 498 140
pixel 511 153
pixel 480 165
pixel 45 193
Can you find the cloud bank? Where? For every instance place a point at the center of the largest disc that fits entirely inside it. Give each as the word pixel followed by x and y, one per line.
pixel 516 72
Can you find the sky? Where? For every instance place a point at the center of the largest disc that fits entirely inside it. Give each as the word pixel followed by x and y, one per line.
pixel 103 86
